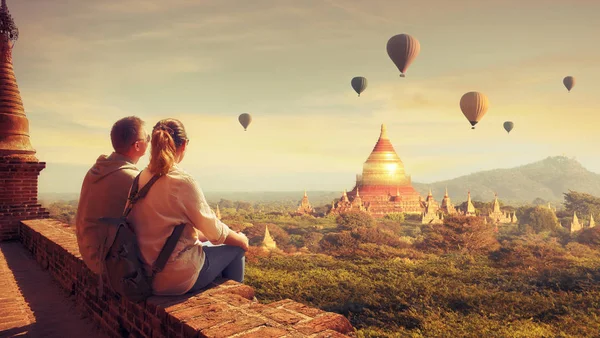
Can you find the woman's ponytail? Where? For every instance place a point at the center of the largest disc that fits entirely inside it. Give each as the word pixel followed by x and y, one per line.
pixel 167 136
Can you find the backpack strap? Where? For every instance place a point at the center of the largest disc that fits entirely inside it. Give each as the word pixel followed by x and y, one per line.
pixel 167 249
pixel 135 195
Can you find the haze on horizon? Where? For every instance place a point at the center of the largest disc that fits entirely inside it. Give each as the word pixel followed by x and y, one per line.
pixel 81 65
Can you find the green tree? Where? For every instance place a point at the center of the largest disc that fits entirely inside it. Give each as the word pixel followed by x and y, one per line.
pixel 590 236
pixel 353 220
pixel 582 203
pixel 460 233
pixel 537 219
pixel 396 216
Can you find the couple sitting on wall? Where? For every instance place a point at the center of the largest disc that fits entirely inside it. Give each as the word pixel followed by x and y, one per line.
pixel 175 198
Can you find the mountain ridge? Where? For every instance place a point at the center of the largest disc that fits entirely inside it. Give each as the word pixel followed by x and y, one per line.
pixel 547 179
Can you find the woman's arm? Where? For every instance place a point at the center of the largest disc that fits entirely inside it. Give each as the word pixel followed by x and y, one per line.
pixel 237 239
pixel 204 219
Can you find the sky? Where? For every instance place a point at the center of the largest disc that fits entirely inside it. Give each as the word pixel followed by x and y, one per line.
pixel 83 64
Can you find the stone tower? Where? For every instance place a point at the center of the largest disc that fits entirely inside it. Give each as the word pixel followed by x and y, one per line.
pixel 268 242
pixel 447 206
pixel 575 224
pixel 19 168
pixel 470 207
pixel 304 208
pixel 218 212
pixel 430 214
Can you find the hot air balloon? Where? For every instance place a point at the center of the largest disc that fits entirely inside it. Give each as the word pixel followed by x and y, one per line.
pixel 508 126
pixel 474 105
pixel 359 84
pixel 403 49
pixel 569 82
pixel 245 120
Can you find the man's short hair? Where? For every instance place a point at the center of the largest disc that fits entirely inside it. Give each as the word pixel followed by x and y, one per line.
pixel 125 132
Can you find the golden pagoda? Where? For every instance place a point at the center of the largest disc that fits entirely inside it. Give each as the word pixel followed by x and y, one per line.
pixel 384 186
pixel 592 223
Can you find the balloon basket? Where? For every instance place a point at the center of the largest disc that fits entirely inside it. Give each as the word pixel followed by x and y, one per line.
pixel 472 127
pixel 402 75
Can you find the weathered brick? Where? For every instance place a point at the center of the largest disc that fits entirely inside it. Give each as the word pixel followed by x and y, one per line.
pixel 330 334
pixel 324 322
pixel 265 332
pixel 238 325
pixel 209 320
pixel 282 316
pixel 301 308
pixel 233 299
pixel 220 311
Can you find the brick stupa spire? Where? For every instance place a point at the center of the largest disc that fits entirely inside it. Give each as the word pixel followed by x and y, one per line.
pixel 14 126
pixel 19 168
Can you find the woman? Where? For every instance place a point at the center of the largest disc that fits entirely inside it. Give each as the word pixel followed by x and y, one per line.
pixel 176 198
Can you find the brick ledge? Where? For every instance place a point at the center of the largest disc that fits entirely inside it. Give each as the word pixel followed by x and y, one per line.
pixel 225 309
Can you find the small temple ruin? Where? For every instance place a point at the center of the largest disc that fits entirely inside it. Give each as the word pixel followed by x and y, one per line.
pixel 268 242
pixel 305 208
pixel 575 224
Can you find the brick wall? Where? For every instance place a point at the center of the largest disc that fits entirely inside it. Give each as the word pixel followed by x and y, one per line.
pixel 224 310
pixel 18 195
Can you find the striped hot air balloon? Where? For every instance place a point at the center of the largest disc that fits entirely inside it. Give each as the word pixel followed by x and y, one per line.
pixel 474 105
pixel 403 49
pixel 359 84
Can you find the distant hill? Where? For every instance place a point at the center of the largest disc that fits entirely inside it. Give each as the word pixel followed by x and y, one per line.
pixel 51 197
pixel 316 198
pixel 547 179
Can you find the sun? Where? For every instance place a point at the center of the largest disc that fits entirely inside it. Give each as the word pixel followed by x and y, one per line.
pixel 391 167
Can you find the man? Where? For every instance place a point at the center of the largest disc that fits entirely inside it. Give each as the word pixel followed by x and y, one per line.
pixel 106 187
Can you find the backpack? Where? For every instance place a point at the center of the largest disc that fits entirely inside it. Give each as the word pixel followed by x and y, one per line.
pixel 122 263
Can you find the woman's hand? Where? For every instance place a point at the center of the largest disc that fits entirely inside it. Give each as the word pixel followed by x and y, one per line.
pixel 237 239
pixel 244 239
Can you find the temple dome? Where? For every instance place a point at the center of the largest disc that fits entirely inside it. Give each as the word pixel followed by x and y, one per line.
pixel 383 166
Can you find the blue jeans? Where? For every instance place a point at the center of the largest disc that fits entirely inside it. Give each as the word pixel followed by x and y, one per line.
pixel 225 261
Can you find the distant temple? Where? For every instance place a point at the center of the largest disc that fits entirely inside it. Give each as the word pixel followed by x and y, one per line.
pixel 268 242
pixel 447 206
pixel 383 186
pixel 470 207
pixel 305 208
pixel 498 216
pixel 218 212
pixel 344 205
pixel 592 223
pixel 575 225
pixel 431 215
